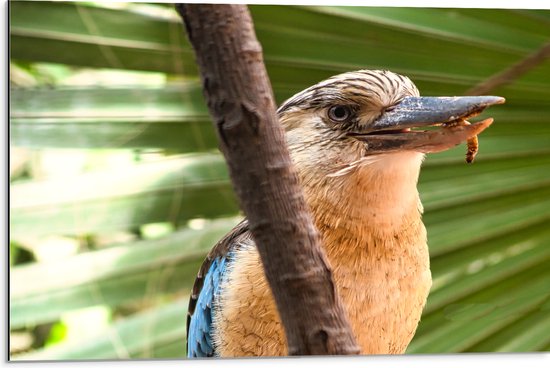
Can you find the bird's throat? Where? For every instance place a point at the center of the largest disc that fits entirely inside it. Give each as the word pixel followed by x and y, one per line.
pixel 376 244
pixel 379 196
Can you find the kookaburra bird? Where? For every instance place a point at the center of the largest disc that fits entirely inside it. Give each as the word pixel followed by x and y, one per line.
pixel 358 161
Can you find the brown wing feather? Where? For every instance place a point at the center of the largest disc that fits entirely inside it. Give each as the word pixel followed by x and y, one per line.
pixel 221 248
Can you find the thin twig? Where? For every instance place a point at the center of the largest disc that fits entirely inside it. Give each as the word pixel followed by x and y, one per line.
pixel 512 73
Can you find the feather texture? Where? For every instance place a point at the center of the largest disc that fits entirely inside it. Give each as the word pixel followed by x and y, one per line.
pixel 206 291
pixel 368 212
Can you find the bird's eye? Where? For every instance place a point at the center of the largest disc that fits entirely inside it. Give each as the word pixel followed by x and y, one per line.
pixel 339 113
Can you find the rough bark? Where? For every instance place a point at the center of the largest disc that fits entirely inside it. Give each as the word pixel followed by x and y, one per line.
pixel 240 100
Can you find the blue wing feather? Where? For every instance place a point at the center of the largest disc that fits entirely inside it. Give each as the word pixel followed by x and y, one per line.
pixel 200 329
pixel 206 291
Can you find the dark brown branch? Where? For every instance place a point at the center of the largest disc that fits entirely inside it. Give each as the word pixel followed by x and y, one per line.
pixel 241 103
pixel 512 73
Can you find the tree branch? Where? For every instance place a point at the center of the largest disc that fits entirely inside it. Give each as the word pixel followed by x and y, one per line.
pixel 240 100
pixel 512 73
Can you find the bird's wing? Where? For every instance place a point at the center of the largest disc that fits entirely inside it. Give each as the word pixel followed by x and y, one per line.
pixel 206 290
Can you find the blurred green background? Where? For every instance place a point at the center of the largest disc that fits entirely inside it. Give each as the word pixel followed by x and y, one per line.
pixel 118 190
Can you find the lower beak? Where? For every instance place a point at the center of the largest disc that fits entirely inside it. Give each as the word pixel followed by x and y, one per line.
pixel 392 131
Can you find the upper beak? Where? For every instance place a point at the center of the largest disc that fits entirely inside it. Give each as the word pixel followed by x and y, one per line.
pixel 391 131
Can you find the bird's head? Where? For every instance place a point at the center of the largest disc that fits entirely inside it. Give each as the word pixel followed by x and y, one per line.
pixel 366 122
pixel 368 115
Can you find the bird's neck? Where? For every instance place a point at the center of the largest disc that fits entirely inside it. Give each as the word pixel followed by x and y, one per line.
pixel 370 205
pixel 370 224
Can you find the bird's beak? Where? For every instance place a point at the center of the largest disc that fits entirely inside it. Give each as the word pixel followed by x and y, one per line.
pixel 392 131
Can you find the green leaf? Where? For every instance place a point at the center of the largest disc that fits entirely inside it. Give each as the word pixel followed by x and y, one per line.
pixel 486 222
pixel 480 27
pixel 530 332
pixel 57 334
pixel 315 38
pixel 503 303
pixel 155 333
pixel 78 34
pixel 41 292
pixel 170 190
pixel 173 118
